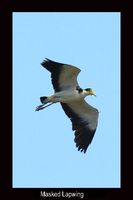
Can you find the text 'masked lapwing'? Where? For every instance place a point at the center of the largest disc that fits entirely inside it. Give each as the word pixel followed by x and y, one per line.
pixel 68 93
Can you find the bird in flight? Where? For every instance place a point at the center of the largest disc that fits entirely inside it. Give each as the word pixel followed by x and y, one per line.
pixel 68 93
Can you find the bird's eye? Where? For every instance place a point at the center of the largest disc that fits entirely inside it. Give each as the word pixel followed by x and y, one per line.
pixel 88 89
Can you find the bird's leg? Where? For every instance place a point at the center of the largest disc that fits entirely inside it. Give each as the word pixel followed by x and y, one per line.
pixel 41 107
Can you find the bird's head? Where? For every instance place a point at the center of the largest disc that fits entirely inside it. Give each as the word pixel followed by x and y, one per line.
pixel 90 91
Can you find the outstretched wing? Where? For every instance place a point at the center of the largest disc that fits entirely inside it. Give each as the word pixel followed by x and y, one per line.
pixel 63 76
pixel 84 120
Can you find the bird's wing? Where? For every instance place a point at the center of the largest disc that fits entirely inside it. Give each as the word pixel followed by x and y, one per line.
pixel 63 76
pixel 84 120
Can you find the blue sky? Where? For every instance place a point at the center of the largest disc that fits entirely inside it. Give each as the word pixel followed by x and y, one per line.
pixel 44 152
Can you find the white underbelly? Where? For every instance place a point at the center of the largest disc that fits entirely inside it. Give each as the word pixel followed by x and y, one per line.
pixel 66 96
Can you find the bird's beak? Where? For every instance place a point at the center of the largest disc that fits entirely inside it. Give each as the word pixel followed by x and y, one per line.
pixel 92 93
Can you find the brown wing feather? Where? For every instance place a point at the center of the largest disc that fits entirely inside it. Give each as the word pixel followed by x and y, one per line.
pixel 63 76
pixel 82 127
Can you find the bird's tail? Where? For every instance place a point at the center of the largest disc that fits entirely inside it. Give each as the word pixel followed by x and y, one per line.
pixel 44 99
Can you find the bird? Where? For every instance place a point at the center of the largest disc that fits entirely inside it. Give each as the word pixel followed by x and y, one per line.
pixel 71 96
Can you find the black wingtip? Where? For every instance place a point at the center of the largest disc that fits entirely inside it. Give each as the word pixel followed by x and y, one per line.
pixel 83 139
pixel 50 62
pixel 45 61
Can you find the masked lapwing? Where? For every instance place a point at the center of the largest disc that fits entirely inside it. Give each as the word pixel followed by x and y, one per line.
pixel 68 93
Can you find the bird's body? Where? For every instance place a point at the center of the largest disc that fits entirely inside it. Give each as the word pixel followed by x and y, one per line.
pixel 84 117
pixel 69 96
